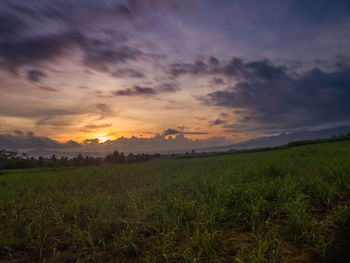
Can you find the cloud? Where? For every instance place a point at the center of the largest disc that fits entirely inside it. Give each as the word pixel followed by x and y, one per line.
pixel 47 115
pixel 269 94
pixel 34 111
pixel 170 132
pixel 104 110
pixel 49 89
pixel 167 87
pixel 35 75
pixel 71 11
pixel 10 25
pixel 157 143
pixel 95 141
pixel 15 53
pixel 147 91
pixel 57 121
pixel 174 132
pixel 101 56
pixel 128 73
pixel 19 141
pixel 18 132
pixel 233 68
pixel 321 11
pixel 168 4
pixel 98 126
pixel 97 54
pixel 160 143
pixel 77 30
pixel 217 122
pixel 135 91
pixel 182 127
pixel 199 67
pixel 218 81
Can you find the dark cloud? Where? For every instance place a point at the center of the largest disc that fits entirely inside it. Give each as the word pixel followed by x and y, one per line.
pixel 174 132
pixel 104 110
pixel 49 89
pixel 35 75
pixel 234 68
pixel 10 25
pixel 217 122
pixel 197 68
pixel 97 54
pixel 98 126
pixel 167 4
pixel 30 51
pixel 268 94
pixel 170 132
pixel 101 55
pixel 147 91
pixel 213 61
pixel 218 81
pixel 18 132
pixel 211 66
pixel 234 126
pixel 194 133
pixel 182 127
pixel 322 10
pixel 135 91
pixel 54 121
pixel 167 87
pixel 91 141
pixel 78 11
pixel 35 111
pixel 74 24
pixel 88 31
pixel 30 141
pixel 128 73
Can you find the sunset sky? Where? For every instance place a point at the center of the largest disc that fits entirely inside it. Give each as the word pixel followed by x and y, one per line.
pixel 204 72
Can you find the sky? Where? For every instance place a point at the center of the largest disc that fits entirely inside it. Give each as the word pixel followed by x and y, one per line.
pixel 138 75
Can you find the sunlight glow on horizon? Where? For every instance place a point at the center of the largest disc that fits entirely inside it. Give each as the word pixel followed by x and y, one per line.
pixel 102 138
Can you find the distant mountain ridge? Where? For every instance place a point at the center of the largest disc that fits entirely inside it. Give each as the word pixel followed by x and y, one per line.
pixel 284 138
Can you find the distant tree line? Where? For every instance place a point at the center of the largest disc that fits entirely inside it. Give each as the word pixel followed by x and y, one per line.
pixel 13 160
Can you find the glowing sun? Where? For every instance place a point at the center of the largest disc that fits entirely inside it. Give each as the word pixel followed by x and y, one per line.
pixel 102 139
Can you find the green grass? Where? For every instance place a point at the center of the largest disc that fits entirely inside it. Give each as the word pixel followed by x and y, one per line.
pixel 289 205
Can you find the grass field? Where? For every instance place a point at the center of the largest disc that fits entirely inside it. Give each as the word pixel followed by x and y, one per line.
pixel 290 205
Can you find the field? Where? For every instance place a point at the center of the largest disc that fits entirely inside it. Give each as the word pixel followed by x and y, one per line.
pixel 290 205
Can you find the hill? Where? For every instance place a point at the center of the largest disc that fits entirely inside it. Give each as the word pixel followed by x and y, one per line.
pixel 281 139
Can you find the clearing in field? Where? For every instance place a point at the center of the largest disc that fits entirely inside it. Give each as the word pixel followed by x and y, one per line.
pixel 290 205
